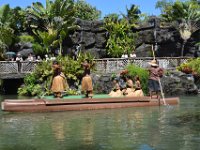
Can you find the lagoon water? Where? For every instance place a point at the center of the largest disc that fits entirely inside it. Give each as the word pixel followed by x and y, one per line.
pixel 148 128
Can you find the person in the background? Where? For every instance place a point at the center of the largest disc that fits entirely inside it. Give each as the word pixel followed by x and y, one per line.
pixel 155 72
pixel 19 59
pixel 133 55
pixel 47 57
pixel 59 83
pixel 86 84
pixel 38 59
pixel 30 57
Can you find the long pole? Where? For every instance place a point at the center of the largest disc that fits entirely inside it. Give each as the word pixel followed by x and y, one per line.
pixel 162 93
pixel 161 89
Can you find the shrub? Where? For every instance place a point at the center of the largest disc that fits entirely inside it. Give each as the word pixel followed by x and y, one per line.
pixel 134 70
pixel 191 66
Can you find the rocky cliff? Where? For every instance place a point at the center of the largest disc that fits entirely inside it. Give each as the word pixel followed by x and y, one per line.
pixel 91 37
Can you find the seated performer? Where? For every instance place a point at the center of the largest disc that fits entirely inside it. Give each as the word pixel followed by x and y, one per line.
pixel 116 92
pixel 138 88
pixel 86 84
pixel 129 87
pixel 59 83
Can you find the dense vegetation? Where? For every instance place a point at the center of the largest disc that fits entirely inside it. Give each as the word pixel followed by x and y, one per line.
pixel 39 82
pixel 121 38
pixel 45 26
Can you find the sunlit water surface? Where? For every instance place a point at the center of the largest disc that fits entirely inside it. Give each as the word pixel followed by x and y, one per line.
pixel 148 128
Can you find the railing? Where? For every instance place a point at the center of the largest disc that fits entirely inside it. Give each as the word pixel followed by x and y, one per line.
pixel 110 65
pixel 7 67
pixel 106 65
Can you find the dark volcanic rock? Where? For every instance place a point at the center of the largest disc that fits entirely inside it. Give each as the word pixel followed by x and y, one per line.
pixel 178 83
pixel 87 38
pixel 100 40
pixel 102 83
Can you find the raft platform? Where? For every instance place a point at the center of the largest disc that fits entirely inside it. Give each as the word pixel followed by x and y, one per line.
pixel 72 103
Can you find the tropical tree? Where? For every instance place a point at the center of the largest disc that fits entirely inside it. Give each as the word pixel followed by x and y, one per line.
pixel 121 40
pixel 133 14
pixel 51 23
pixel 186 16
pixel 6 32
pixel 163 4
pixel 85 11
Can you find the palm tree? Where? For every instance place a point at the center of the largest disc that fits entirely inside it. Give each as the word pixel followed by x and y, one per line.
pixel 52 23
pixel 186 16
pixel 6 33
pixel 186 29
pixel 133 14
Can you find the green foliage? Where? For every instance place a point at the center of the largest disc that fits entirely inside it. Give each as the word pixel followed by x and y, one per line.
pixel 26 38
pixel 31 86
pixel 143 74
pixel 38 49
pixel 187 10
pixel 51 23
pixel 39 82
pixel 191 66
pixel 121 39
pixel 85 11
pixel 185 17
pixel 133 14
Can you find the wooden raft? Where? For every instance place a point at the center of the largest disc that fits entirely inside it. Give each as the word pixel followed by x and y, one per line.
pixel 55 105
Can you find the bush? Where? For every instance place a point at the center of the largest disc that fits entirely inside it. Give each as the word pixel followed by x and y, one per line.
pixel 143 74
pixel 192 66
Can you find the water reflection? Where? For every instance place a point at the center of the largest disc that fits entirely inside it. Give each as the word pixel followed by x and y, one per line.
pixel 131 128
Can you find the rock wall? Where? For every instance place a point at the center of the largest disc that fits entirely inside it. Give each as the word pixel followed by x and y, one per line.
pixel 178 83
pixel 92 37
pixel 167 40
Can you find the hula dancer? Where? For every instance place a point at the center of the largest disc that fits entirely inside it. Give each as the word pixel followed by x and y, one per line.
pixel 59 83
pixel 87 87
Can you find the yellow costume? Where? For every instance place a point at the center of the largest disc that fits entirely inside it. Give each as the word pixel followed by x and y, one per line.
pixel 116 92
pixel 59 84
pixel 87 83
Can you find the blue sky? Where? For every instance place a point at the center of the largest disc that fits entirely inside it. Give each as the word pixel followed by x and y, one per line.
pixel 106 6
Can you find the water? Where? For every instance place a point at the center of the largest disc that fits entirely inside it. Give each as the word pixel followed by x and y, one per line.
pixel 150 128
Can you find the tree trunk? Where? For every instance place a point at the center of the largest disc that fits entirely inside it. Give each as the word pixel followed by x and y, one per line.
pixel 183 46
pixel 60 51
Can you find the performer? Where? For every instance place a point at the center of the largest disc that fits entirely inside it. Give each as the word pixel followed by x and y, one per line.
pixel 116 92
pixel 129 87
pixel 59 83
pixel 155 72
pixel 87 87
pixel 138 88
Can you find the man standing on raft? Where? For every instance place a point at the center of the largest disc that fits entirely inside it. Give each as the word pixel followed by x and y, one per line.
pixel 87 87
pixel 155 72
